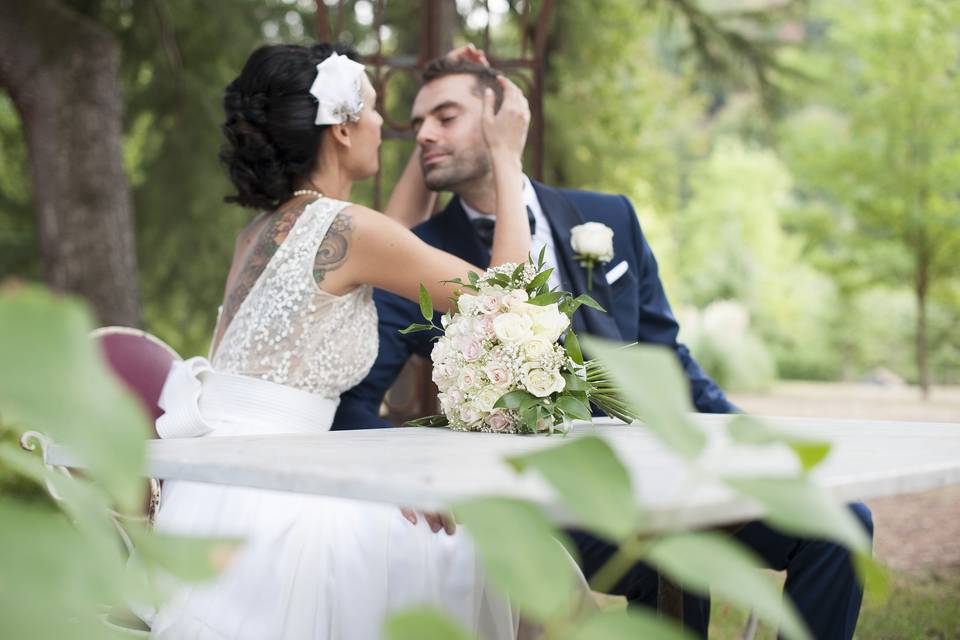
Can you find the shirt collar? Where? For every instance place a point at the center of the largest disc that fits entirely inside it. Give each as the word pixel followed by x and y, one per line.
pixel 529 197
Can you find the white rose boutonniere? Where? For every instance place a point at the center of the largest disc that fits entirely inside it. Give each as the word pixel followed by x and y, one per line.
pixel 593 243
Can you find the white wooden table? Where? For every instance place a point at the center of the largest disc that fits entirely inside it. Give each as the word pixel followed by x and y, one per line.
pixel 432 469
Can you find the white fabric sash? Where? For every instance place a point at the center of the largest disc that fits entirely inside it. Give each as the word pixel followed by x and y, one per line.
pixel 195 398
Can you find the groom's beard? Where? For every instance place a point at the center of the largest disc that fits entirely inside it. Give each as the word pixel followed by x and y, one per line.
pixel 455 169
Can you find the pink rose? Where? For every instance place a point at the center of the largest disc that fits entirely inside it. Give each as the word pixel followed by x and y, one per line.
pixel 498 376
pixel 498 422
pixel 467 378
pixel 486 324
pixel 489 303
pixel 470 349
pixel 497 373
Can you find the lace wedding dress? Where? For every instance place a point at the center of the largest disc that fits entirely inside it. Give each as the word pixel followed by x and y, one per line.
pixel 311 567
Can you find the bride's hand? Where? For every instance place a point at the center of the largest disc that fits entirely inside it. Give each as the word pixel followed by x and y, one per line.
pixel 468 53
pixel 506 130
pixel 436 521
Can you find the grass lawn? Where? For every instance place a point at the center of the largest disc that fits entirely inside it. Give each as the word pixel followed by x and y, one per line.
pixel 919 607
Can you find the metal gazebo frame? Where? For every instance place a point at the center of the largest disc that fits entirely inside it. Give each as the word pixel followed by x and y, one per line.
pixel 414 394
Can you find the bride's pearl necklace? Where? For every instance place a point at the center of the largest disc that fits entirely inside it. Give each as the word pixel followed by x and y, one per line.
pixel 307 192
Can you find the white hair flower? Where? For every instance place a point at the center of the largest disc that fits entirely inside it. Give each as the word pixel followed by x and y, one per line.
pixel 338 89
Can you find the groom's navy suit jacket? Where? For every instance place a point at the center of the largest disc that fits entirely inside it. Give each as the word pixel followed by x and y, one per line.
pixel 637 306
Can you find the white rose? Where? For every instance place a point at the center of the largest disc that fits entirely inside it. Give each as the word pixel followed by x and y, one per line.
pixel 455 327
pixel 467 303
pixel 510 327
pixel 446 405
pixel 439 351
pixel 514 297
pixel 525 309
pixel 594 240
pixel 455 396
pixel 486 398
pixel 542 383
pixel 444 375
pixel 550 323
pixel 537 347
pixel 469 414
pixel 558 382
pixel 463 326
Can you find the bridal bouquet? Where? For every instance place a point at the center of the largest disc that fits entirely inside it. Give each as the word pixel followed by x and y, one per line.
pixel 507 360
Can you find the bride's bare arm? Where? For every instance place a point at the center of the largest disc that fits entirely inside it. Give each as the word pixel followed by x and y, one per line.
pixel 384 254
pixel 411 202
pixel 505 133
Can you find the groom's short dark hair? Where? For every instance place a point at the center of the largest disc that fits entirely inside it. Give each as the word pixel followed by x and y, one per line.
pixel 486 77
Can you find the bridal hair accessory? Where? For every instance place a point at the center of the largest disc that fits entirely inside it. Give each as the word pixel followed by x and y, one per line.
pixel 337 88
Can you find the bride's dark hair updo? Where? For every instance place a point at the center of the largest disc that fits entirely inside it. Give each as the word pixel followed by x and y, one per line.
pixel 271 136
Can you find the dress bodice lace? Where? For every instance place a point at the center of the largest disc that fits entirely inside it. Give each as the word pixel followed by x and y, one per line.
pixel 290 331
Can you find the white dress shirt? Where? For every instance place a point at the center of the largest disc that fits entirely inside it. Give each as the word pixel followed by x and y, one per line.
pixel 542 235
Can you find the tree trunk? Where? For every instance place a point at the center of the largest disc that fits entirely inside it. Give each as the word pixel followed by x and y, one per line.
pixel 923 366
pixel 922 283
pixel 62 72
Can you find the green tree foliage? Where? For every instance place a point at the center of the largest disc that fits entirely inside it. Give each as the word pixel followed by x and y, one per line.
pixel 17 237
pixel 617 119
pixel 734 246
pixel 178 61
pixel 663 102
pixel 877 155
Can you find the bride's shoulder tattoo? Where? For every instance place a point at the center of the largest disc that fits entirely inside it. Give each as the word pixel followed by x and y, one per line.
pixel 264 248
pixel 333 250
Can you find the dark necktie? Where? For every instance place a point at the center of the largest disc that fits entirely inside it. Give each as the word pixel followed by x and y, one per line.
pixel 485 225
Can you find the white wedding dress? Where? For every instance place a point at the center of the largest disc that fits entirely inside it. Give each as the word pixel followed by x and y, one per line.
pixel 311 567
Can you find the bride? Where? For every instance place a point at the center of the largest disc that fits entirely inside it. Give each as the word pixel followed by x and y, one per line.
pixel 298 328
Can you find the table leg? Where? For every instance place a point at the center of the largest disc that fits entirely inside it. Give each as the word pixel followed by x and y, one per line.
pixel 670 595
pixel 669 600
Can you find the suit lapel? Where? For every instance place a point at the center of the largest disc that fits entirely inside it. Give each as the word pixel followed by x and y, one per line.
pixel 563 216
pixel 459 236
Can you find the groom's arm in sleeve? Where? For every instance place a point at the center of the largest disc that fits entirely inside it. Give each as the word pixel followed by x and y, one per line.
pixel 657 324
pixel 360 406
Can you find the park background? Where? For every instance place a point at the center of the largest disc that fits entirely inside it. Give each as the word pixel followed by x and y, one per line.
pixel 794 165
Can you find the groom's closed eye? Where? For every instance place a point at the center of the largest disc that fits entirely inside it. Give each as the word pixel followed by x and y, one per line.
pixel 444 112
pixel 447 114
pixel 444 119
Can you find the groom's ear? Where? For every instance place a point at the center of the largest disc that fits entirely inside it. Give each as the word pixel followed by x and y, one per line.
pixel 341 133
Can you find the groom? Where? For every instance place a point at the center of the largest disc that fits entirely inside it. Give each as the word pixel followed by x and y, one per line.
pixel 446 117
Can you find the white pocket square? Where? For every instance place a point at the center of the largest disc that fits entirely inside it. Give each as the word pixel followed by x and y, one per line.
pixel 617 272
